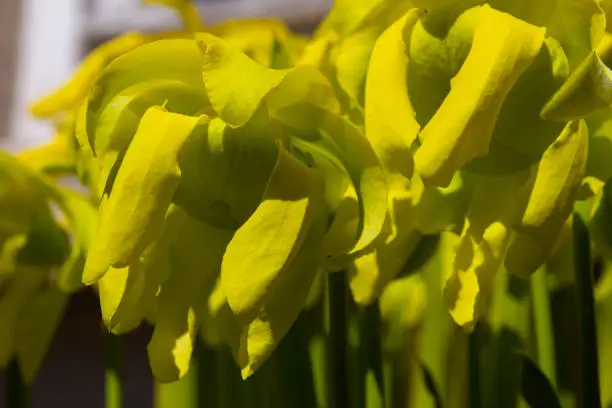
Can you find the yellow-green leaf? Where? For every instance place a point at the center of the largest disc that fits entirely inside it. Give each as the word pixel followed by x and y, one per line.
pixel 503 47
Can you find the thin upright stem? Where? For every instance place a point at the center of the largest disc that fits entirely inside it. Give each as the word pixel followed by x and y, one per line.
pixel 589 367
pixel 475 394
pixel 338 292
pixel 544 334
pixel 113 382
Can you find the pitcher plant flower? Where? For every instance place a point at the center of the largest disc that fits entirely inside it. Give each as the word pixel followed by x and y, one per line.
pixel 235 166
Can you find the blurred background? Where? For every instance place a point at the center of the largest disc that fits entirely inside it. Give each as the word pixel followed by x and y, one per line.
pixel 41 42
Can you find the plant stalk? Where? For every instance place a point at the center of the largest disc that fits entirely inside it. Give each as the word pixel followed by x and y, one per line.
pixel 475 393
pixel 113 378
pixel 544 333
pixel 338 338
pixel 589 367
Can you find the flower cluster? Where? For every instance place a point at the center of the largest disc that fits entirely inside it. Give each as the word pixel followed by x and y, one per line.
pixel 236 165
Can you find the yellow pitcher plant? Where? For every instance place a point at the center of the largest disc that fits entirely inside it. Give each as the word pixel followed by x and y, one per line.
pixel 430 152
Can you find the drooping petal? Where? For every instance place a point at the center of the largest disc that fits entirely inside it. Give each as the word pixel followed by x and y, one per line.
pixel 587 90
pixel 132 296
pixel 521 136
pixel 268 241
pixel 132 216
pixel 503 47
pixel 551 201
pixel 173 59
pixel 391 128
pixel 237 85
pixel 195 258
pixel 495 206
pixel 119 120
pixel 289 296
pixel 266 277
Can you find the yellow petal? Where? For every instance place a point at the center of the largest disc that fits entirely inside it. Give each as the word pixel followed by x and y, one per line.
pixel 551 201
pixel 267 242
pixel 495 206
pixel 132 216
pixel 503 47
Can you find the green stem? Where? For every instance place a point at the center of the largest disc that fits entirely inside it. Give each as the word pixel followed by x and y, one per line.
pixel 456 369
pixel 317 348
pixel 229 382
pixel 293 367
pixel 113 382
pixel 371 349
pixel 544 333
pixel 475 394
pixel 338 337
pixel 356 357
pixel 15 387
pixel 208 383
pixel 589 370
pixel 389 377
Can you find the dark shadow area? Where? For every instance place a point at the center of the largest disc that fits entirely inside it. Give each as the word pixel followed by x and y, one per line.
pixel 73 373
